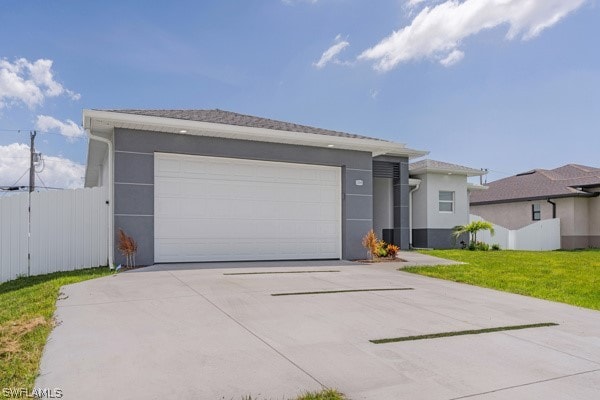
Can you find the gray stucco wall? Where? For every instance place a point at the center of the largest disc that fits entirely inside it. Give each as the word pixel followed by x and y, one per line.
pixel 134 181
pixel 436 239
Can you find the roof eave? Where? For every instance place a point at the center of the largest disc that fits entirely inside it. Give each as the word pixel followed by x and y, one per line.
pixel 533 198
pixel 179 126
pixel 427 170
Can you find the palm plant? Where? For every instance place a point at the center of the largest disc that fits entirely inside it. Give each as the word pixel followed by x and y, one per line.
pixel 472 228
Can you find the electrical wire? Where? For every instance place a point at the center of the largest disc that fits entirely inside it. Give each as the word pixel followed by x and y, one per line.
pixel 17 181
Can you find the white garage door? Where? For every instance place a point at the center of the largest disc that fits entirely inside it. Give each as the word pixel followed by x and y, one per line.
pixel 224 209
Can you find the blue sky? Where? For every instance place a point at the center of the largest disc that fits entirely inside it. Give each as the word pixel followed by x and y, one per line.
pixel 505 85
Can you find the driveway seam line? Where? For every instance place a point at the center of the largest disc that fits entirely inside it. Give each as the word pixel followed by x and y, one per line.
pixel 250 331
pixel 551 348
pixel 525 384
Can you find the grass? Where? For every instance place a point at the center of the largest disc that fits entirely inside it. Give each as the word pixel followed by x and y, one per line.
pixel 326 394
pixel 461 333
pixel 338 291
pixel 571 277
pixel 26 309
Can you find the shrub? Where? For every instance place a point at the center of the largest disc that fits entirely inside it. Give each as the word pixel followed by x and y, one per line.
pixel 382 249
pixel 370 243
pixel 472 246
pixel 128 247
pixel 392 250
pixel 496 247
pixel 482 246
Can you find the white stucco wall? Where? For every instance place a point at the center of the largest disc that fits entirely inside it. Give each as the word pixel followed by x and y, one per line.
pixel 419 205
pixel 426 212
pixel 103 175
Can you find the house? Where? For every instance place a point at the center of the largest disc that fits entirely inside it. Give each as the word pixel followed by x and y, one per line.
pixel 569 193
pixel 212 185
pixel 439 201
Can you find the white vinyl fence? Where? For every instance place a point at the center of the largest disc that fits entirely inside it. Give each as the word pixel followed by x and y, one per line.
pixel 69 230
pixel 541 235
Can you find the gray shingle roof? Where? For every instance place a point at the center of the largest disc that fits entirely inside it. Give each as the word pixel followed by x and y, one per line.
pixel 217 116
pixel 433 165
pixel 564 181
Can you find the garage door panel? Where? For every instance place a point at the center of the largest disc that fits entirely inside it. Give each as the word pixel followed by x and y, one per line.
pixel 215 209
pixel 277 230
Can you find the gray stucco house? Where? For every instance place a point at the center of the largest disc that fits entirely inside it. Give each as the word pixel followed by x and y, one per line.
pixel 212 185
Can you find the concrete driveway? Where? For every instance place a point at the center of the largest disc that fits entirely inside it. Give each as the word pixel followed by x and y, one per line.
pixel 186 332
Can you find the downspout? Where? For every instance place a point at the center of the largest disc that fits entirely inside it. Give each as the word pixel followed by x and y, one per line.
pixel 553 207
pixel 111 230
pixel 410 214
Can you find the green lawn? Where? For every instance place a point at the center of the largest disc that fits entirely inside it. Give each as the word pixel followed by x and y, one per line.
pixel 26 309
pixel 571 277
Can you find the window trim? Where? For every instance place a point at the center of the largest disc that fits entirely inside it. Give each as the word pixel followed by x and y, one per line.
pixel 536 213
pixel 452 202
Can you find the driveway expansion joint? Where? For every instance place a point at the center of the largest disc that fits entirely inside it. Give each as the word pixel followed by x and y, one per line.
pixel 556 378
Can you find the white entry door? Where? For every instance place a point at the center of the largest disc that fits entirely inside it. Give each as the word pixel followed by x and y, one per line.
pixel 226 209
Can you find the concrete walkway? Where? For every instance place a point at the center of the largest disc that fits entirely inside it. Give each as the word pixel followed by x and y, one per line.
pixel 190 332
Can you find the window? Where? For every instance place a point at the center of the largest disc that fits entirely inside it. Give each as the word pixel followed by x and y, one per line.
pixel 446 201
pixel 536 212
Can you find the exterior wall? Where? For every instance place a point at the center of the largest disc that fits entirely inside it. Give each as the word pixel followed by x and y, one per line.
pixel 419 205
pixel 134 180
pixel 401 217
pixel 383 198
pixel 517 215
pixel 432 228
pixel 104 179
pixel 594 221
pixel 579 218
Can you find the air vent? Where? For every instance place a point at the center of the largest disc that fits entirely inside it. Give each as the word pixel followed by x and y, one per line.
pixel 383 169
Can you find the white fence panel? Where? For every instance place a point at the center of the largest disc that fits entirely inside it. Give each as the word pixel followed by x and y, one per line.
pixel 14 221
pixel 541 235
pixel 69 230
pixel 502 236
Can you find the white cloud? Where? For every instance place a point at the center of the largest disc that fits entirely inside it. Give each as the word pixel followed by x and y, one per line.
pixel 69 129
pixel 58 172
pixel 437 31
pixel 452 58
pixel 29 82
pixel 330 55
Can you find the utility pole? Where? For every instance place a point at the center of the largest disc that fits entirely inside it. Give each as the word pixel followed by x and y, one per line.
pixel 31 161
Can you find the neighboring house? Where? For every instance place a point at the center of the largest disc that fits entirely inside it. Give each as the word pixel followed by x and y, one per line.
pixel 569 193
pixel 439 202
pixel 212 185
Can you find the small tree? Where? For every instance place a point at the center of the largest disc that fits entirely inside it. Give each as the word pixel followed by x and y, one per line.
pixel 127 247
pixel 370 243
pixel 472 228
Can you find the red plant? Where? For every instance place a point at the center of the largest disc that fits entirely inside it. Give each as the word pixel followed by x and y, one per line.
pixel 392 250
pixel 370 243
pixel 128 247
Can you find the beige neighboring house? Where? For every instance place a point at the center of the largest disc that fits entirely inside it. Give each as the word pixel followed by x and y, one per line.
pixel 570 193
